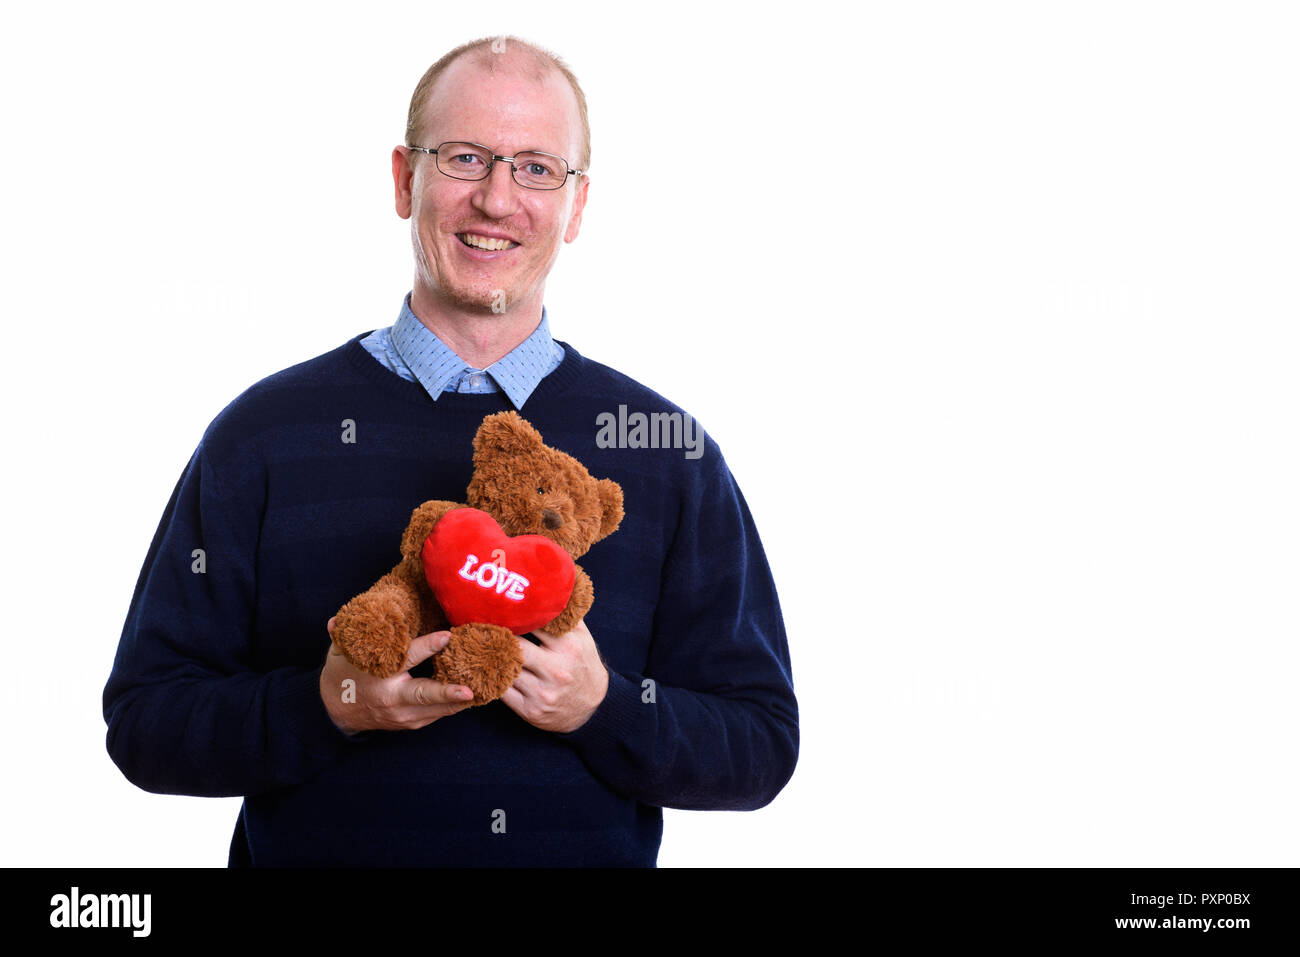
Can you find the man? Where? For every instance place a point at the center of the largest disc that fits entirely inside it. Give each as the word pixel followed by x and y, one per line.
pixel 676 690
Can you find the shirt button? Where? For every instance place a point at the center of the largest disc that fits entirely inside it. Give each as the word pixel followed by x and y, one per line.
pixel 476 380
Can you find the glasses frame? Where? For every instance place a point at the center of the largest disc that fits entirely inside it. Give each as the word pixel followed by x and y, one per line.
pixel 514 170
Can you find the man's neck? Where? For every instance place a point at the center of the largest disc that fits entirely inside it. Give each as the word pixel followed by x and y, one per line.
pixel 480 338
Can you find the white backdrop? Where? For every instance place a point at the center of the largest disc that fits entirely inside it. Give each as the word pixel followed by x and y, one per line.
pixel 991 306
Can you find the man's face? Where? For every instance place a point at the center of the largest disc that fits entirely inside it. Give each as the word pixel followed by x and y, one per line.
pixel 508 112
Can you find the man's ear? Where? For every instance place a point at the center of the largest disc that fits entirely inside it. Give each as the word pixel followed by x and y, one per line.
pixel 402 175
pixel 579 203
pixel 505 433
pixel 611 506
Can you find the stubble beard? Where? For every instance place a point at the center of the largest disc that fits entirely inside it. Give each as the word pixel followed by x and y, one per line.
pixel 471 299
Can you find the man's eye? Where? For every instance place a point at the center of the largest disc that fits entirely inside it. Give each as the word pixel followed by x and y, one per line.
pixel 465 159
pixel 537 169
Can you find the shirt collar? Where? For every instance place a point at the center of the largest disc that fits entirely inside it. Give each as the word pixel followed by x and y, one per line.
pixel 436 366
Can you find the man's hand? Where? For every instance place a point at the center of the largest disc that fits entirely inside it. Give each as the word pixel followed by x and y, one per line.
pixel 563 681
pixel 398 703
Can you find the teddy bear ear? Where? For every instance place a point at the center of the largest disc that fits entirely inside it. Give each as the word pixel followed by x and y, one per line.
pixel 505 433
pixel 611 506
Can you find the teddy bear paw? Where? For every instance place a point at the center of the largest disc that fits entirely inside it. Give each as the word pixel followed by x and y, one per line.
pixel 374 630
pixel 484 658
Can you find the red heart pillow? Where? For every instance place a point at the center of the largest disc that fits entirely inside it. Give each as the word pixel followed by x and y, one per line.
pixel 478 573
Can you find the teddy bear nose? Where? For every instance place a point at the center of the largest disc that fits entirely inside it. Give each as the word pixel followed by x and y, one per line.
pixel 551 518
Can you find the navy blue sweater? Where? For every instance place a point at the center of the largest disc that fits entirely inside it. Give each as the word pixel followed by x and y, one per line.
pixel 215 687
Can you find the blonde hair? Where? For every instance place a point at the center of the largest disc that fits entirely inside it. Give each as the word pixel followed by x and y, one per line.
pixel 486 50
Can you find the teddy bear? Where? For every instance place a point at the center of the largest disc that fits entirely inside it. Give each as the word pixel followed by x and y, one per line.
pixel 529 489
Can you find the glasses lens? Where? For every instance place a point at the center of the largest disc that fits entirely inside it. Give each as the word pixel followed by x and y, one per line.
pixel 540 170
pixel 463 160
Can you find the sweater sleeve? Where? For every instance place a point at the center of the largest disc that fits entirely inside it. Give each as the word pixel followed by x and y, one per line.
pixel 187 711
pixel 713 722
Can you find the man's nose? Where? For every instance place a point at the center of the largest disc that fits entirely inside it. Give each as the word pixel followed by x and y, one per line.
pixel 496 195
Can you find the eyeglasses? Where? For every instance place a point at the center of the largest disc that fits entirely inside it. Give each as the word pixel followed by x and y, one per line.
pixel 531 169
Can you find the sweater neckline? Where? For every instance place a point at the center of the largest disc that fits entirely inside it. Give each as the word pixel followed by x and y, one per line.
pixel 552 384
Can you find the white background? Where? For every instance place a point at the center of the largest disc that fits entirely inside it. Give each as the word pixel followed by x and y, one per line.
pixel 991 306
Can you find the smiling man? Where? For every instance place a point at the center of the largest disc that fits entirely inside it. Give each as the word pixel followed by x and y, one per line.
pixel 674 692
pixel 487 231
pixel 482 245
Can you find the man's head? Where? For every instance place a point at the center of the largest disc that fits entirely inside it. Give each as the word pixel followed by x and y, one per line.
pixel 508 96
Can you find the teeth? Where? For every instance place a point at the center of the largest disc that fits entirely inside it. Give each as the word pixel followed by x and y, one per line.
pixel 483 242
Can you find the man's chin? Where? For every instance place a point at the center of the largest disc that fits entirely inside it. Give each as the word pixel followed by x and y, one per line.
pixel 487 301
pixel 463 293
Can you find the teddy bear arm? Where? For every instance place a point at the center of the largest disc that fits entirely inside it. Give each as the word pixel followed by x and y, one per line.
pixel 423 518
pixel 580 601
pixel 374 630
pixel 410 577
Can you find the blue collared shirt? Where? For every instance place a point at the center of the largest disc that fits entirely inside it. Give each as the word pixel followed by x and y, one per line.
pixel 408 348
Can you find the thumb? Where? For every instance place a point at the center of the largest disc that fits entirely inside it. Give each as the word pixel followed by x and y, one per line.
pixel 425 647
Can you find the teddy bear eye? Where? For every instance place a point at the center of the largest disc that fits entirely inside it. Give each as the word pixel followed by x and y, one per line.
pixel 540 490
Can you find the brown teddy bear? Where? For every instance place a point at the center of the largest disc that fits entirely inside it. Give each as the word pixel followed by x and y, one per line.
pixel 529 489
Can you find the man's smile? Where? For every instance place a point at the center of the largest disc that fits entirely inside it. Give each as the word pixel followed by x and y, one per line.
pixel 489 243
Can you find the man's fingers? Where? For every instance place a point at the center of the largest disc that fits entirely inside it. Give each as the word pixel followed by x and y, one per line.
pixel 334 649
pixel 526 684
pixel 425 647
pixel 533 655
pixel 424 692
pixel 548 639
pixel 545 636
pixel 513 700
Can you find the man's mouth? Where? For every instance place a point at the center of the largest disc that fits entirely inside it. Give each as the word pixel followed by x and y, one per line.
pixel 485 242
